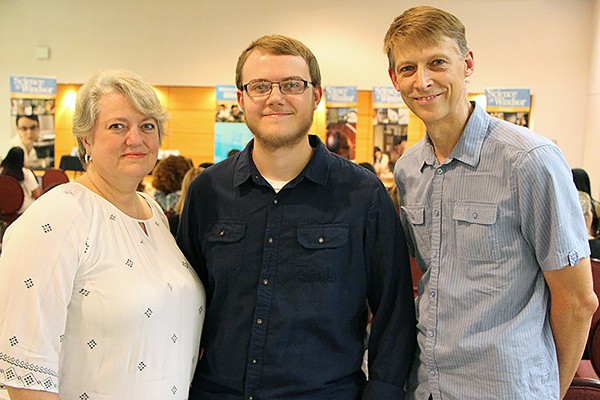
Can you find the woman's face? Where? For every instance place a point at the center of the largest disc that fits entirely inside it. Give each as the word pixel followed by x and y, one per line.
pixel 124 142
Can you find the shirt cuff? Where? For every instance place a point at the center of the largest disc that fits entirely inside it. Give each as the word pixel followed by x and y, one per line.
pixel 376 390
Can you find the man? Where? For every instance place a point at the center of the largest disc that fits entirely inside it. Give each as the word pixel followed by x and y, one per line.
pixel 293 244
pixel 28 129
pixel 398 148
pixel 493 220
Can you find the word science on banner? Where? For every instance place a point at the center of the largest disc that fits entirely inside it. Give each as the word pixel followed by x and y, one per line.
pixel 512 105
pixel 341 117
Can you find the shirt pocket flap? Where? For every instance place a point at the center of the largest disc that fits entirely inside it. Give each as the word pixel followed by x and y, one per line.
pixel 476 213
pixel 227 232
pixel 414 214
pixel 323 236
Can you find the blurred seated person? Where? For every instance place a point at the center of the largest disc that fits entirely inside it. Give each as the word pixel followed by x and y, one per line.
pixel 586 206
pixel 223 113
pixel 236 114
pixel 167 177
pixel 232 152
pixel 381 162
pixel 398 148
pixel 28 129
pixel 582 183
pixel 368 166
pixel 113 309
pixel 185 184
pixel 205 165
pixel 13 165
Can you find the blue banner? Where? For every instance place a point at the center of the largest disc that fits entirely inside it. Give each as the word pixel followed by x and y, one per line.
pixel 508 99
pixel 341 96
pixel 32 86
pixel 386 96
pixel 226 93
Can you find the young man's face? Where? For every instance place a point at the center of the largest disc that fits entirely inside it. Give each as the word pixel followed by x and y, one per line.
pixel 28 130
pixel 431 80
pixel 278 120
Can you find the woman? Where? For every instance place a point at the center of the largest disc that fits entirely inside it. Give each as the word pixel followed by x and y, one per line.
pixel 582 183
pixel 98 301
pixel 167 177
pixel 14 165
pixel 178 208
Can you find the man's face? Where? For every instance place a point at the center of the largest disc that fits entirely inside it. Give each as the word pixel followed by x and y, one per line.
pixel 431 80
pixel 28 130
pixel 278 120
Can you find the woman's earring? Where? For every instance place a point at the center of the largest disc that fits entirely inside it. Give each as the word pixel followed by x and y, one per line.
pixel 87 158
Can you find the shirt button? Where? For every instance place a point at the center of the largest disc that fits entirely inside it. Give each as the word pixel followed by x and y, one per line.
pixel 254 361
pixel 432 293
pixel 436 213
pixel 432 373
pixel 434 254
pixel 321 240
pixel 475 215
pixel 430 333
pixel 222 233
pixel 440 171
pixel 275 201
pixel 265 282
pixel 270 240
pixel 259 321
pixel 251 398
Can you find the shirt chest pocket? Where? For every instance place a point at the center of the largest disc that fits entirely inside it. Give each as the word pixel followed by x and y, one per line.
pixel 419 231
pixel 322 252
pixel 225 247
pixel 476 233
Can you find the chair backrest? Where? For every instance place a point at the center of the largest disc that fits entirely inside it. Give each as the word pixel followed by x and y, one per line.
pixel 416 275
pixel 583 389
pixel 593 346
pixel 53 177
pixel 11 198
pixel 596 278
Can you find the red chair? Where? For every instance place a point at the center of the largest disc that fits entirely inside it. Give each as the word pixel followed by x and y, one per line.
pixel 11 199
pixel 596 277
pixel 53 177
pixel 583 389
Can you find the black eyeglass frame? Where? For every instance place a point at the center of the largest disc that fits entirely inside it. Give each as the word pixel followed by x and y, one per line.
pixel 306 85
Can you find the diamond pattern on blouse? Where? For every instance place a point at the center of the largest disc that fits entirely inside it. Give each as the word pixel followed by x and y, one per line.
pixel 200 309
pixel 10 374
pixel 170 286
pixel 28 380
pixel 148 312
pixel 47 383
pixel 84 396
pixel 47 228
pixel 174 338
pixel 29 283
pixel 84 292
pixel 113 217
pixel 129 263
pixel 92 343
pixel 141 365
pixel 87 245
pixel 13 341
pixel 174 389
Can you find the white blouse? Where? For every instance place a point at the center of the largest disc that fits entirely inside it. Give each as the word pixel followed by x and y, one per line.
pixel 93 308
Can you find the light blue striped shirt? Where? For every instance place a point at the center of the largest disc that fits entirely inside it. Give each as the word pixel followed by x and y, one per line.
pixel 484 225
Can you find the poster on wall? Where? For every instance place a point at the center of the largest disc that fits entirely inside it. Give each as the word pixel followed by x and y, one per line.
pixel 231 133
pixel 390 129
pixel 341 117
pixel 512 105
pixel 32 100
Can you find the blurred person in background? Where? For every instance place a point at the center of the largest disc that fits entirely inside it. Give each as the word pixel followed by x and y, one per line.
pixel 13 165
pixel 166 180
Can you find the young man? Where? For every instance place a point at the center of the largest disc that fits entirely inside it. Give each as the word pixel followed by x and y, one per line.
pixel 493 220
pixel 294 244
pixel 28 129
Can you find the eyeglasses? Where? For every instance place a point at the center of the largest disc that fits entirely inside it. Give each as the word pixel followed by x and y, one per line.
pixel 28 128
pixel 258 88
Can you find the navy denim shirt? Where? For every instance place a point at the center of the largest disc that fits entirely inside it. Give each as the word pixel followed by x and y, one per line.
pixel 288 279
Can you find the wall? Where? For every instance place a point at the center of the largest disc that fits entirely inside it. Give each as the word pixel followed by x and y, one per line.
pixel 541 44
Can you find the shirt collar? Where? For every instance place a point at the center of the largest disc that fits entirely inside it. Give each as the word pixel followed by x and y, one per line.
pixel 469 145
pixel 317 169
